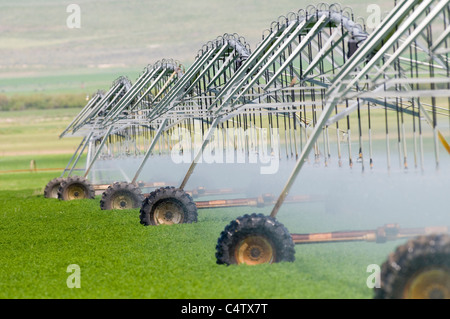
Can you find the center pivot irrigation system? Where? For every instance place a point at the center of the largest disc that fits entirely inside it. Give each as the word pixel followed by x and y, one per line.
pixel 316 78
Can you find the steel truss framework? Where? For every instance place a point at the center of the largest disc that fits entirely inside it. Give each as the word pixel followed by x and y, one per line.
pixel 322 64
pixel 315 74
pixel 127 102
pixel 315 79
pixel 289 77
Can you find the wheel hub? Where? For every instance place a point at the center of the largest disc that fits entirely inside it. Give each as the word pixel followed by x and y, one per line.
pixel 253 250
pixel 122 202
pixel 429 284
pixel 255 253
pixel 168 216
pixel 168 213
pixel 75 192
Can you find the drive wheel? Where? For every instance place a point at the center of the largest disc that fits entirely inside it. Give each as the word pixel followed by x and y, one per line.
pixel 75 187
pixel 254 239
pixel 168 206
pixel 121 195
pixel 420 269
pixel 51 189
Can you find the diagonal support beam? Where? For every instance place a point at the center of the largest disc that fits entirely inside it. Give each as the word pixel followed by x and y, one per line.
pixel 149 150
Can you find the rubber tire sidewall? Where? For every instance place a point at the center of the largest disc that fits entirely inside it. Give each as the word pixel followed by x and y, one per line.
pixel 76 180
pixel 51 185
pixel 119 188
pixel 163 194
pixel 254 224
pixel 416 255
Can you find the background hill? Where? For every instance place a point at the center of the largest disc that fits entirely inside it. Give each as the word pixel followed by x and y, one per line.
pixel 39 53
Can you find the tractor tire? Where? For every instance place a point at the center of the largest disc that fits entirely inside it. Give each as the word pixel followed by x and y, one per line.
pixel 52 187
pixel 419 269
pixel 121 195
pixel 254 239
pixel 168 206
pixel 75 187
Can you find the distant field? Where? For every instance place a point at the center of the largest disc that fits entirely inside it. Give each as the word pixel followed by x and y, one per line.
pixel 36 132
pixel 75 81
pixel 40 54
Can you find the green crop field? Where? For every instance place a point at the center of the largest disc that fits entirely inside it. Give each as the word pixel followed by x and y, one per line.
pixel 36 132
pixel 47 70
pixel 120 258
pixel 41 54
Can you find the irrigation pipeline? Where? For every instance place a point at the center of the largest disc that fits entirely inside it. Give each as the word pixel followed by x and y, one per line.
pixel 260 201
pixel 388 232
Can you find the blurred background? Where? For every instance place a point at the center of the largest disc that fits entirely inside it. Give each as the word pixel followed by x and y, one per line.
pixel 39 53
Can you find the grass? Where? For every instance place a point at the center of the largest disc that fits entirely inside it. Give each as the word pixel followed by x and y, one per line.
pixel 119 258
pixel 22 162
pixel 86 81
pixel 36 132
pixel 41 54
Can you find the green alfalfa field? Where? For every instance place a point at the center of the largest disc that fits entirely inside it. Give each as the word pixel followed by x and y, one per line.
pixel 120 258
